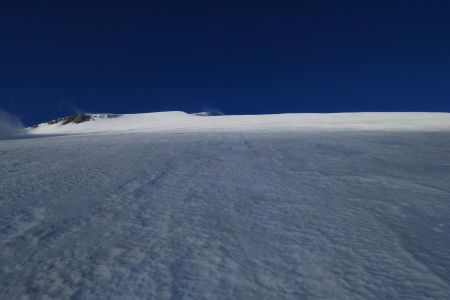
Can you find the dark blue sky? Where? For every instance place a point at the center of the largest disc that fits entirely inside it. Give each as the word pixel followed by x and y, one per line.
pixel 243 57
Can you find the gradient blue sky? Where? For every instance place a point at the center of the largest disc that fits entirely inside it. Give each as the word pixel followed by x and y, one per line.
pixel 244 57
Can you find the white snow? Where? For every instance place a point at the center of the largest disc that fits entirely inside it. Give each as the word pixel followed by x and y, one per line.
pixel 180 121
pixel 171 205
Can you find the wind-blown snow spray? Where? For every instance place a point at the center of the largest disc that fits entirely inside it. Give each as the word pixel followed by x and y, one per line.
pixel 10 125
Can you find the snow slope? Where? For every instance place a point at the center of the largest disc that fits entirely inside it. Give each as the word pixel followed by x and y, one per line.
pixel 171 205
pixel 180 121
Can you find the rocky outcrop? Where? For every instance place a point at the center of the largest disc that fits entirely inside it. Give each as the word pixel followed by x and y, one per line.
pixel 76 119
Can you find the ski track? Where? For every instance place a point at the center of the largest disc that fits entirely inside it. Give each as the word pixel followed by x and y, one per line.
pixel 261 215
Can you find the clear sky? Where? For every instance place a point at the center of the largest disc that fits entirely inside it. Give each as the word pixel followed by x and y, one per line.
pixel 238 57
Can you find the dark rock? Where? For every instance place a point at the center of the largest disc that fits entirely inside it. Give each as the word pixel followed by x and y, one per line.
pixel 76 119
pixel 203 114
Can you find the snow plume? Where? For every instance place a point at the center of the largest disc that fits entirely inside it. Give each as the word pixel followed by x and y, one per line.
pixel 69 106
pixel 9 124
pixel 212 111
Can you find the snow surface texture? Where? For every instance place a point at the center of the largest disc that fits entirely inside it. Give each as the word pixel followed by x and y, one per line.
pixel 246 210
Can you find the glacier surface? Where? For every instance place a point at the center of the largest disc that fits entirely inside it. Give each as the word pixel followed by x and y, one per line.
pixel 170 205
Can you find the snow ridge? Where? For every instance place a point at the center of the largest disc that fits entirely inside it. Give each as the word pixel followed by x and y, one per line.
pixel 183 122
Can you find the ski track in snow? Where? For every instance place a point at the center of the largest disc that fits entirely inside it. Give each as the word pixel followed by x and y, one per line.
pixel 261 215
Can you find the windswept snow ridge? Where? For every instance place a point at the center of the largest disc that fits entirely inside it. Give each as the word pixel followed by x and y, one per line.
pixel 180 121
pixel 178 206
